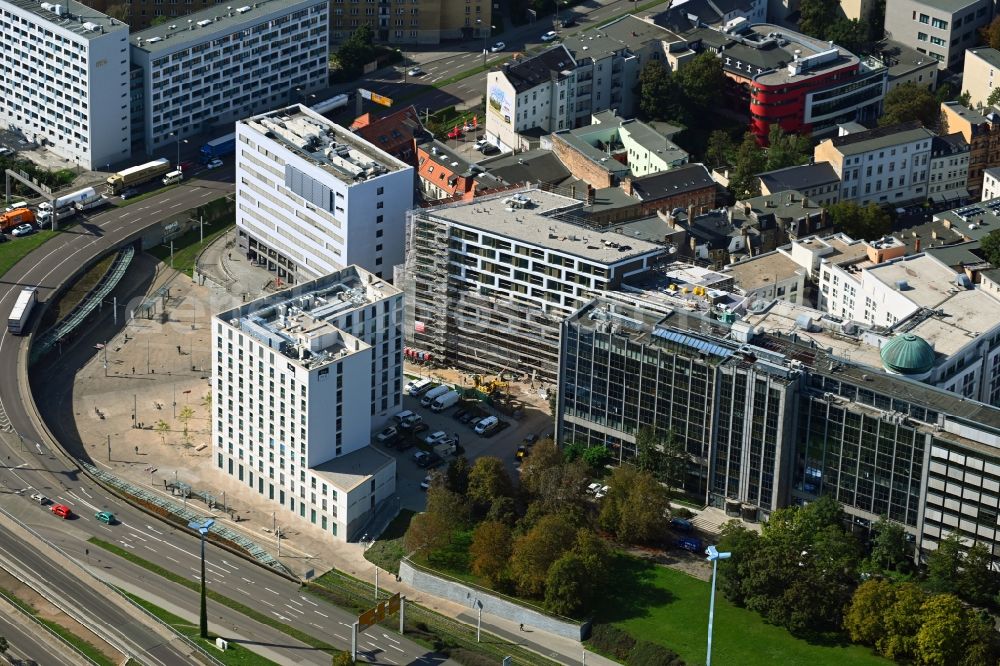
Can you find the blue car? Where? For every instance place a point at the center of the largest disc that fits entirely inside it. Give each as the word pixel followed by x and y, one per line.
pixel 690 543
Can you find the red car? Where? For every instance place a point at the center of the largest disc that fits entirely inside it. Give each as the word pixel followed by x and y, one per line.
pixel 455 133
pixel 61 510
pixel 186 167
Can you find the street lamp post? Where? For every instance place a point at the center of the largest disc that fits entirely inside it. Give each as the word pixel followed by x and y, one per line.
pixel 203 527
pixel 713 556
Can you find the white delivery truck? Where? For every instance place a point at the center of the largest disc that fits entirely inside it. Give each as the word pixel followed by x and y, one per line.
pixel 19 315
pixel 432 395
pixel 90 203
pixel 68 200
pixel 444 401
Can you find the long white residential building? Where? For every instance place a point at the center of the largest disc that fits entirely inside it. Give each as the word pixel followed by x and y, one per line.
pixel 300 377
pixel 208 69
pixel 64 73
pixel 313 197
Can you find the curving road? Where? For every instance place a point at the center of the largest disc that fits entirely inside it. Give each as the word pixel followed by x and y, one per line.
pixel 29 465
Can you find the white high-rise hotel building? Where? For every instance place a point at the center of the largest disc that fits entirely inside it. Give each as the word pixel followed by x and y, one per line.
pixel 301 377
pixel 64 80
pixel 313 197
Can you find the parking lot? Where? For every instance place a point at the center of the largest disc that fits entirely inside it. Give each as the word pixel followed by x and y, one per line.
pixel 502 443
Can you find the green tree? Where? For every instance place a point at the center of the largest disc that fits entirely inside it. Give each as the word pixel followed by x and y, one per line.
pixel 815 16
pixel 503 510
pixel 994 98
pixel 890 551
pixel 185 416
pixel 356 52
pixel 162 428
pixel 648 455
pixel 701 80
pixel 157 20
pixel 575 581
pixel 865 617
pixel 4 645
pixel 965 99
pixel 748 161
pixel 940 641
pixel 902 622
pixel 991 33
pixel 427 533
pixel 596 457
pixel 990 245
pixel 490 551
pixel 977 582
pixel 719 149
pixel 907 102
pixel 635 507
pixel 864 223
pixel 741 542
pixel 343 659
pixel 456 477
pixel 660 97
pixel 488 481
pixel 944 565
pixel 535 551
pixel 850 34
pixel 785 150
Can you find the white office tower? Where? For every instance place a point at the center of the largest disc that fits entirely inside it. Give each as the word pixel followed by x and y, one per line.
pixel 313 197
pixel 301 378
pixel 204 71
pixel 64 80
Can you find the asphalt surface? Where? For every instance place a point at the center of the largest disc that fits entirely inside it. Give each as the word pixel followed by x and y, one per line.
pixel 419 91
pixel 30 466
pixel 27 642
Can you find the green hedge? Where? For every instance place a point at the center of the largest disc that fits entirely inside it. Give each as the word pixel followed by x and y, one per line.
pixel 610 640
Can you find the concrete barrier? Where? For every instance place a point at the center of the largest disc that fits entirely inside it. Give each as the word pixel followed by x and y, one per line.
pixel 491 603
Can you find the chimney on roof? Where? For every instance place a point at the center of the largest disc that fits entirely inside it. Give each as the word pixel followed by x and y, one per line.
pixel 627 185
pixel 916 247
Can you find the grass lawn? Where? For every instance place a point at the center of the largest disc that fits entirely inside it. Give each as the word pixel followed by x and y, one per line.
pixel 236 655
pixel 389 549
pixel 187 247
pixel 15 249
pixel 669 607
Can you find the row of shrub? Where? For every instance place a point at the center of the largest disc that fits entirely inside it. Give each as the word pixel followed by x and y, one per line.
pixel 609 639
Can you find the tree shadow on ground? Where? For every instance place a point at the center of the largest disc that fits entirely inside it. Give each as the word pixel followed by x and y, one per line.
pixel 631 590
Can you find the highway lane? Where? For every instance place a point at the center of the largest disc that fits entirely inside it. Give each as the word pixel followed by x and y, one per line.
pixel 82 602
pixel 28 641
pixel 174 549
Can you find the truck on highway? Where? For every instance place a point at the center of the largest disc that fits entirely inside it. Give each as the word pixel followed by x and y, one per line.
pixel 332 104
pixel 90 203
pixel 444 401
pixel 137 175
pixel 15 218
pixel 45 216
pixel 218 148
pixel 68 200
pixel 21 312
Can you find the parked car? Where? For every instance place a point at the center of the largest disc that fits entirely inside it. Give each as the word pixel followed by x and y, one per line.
pixel 187 167
pixel 593 488
pixel 105 517
pixel 487 424
pixel 681 525
pixel 457 415
pixel 403 415
pixel 419 386
pixel 61 510
pixel 419 427
pixel 470 416
pixel 549 36
pixel 530 440
pixel 411 422
pixel 405 444
pixel 387 436
pixel 128 193
pixel 496 48
pixel 455 133
pixel 435 437
pixel 689 543
pixel 23 230
pixel 427 459
pixel 602 491
pixel 488 149
pixel 521 453
pixel 426 483
pixel 214 164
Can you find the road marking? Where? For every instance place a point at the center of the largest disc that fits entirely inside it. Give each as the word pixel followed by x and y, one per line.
pixel 267 602
pixel 294 609
pixel 339 636
pixel 309 602
pixel 248 580
pixel 240 589
pixel 150 549
pixel 150 528
pixel 315 625
pixel 127 545
pixel 397 648
pixel 295 602
pixel 136 536
pixel 172 559
pixel 82 490
pixel 179 204
pixel 324 615
pixel 390 638
pixel 270 590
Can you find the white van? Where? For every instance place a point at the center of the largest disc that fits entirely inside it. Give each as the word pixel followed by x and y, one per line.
pixel 432 395
pixel 173 177
pixel 486 425
pixel 417 386
pixel 16 205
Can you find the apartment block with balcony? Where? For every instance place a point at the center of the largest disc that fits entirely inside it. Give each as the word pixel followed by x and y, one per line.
pixel 423 22
pixel 211 68
pixel 942 29
pixel 981 131
pixel 65 80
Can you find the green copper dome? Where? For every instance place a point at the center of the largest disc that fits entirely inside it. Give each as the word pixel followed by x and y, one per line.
pixel 907 354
